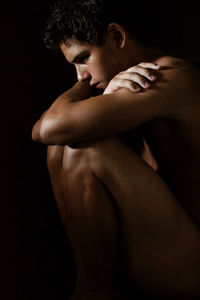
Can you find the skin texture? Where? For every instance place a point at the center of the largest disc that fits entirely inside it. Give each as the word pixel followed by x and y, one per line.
pixel 128 215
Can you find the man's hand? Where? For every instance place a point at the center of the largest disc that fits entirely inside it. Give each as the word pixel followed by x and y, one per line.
pixel 134 78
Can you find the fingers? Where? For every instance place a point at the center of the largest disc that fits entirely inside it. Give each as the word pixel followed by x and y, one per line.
pixel 129 84
pixel 134 77
pixel 147 65
pixel 141 73
pixel 150 65
pixel 149 74
pixel 146 70
pixel 117 83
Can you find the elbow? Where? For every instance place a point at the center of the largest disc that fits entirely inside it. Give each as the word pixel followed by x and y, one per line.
pixel 54 129
pixel 33 134
pixel 52 132
pixel 41 131
pixel 47 132
pixel 36 132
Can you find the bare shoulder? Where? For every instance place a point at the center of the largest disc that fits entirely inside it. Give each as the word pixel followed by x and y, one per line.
pixel 182 78
pixel 179 68
pixel 176 62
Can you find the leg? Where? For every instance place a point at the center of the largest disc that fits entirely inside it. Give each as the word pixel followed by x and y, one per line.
pixel 159 243
pixel 90 221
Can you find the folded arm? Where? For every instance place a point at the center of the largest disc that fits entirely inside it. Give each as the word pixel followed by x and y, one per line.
pixel 48 125
pixel 77 117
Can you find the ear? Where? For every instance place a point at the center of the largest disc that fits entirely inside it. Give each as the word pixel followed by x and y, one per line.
pixel 118 34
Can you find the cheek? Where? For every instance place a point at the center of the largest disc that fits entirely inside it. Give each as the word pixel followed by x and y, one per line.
pixel 111 65
pixel 105 67
pixel 110 69
pixel 100 69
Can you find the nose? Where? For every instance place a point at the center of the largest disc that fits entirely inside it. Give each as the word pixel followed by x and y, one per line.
pixel 82 73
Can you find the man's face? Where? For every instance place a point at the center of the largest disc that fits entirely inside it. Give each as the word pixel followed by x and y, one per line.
pixel 98 65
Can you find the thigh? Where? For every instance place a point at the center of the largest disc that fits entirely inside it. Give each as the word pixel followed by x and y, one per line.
pixel 160 244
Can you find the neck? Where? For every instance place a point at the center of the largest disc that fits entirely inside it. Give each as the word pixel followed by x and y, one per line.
pixel 138 53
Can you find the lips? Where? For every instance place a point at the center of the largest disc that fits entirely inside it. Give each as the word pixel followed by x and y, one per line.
pixel 98 86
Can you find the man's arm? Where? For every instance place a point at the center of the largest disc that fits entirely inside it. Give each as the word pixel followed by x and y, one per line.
pixel 70 121
pixel 37 128
pixel 50 118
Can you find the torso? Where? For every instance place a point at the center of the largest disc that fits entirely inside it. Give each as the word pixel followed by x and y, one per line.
pixel 175 144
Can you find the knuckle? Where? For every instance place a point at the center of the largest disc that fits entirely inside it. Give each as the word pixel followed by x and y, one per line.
pixel 114 80
pixel 131 69
pixel 142 64
pixel 137 68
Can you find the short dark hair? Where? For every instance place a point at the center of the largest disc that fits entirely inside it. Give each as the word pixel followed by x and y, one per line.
pixel 87 20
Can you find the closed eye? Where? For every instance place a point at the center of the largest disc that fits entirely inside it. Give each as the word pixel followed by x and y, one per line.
pixel 83 59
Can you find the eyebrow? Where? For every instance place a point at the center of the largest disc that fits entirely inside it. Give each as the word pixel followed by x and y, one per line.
pixel 78 56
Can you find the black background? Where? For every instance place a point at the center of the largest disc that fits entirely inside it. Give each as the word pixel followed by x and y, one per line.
pixel 36 257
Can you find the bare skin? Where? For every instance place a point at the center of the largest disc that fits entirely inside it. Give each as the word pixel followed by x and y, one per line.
pixel 122 217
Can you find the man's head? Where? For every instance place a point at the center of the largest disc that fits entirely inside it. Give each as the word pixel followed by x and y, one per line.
pixel 101 33
pixel 87 20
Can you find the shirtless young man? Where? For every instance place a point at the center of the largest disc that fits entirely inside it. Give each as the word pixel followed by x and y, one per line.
pixel 127 214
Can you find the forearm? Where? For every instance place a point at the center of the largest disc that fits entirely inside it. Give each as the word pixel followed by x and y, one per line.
pixel 69 121
pixel 50 117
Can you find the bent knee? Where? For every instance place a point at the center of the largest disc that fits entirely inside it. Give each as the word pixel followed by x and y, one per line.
pixel 66 158
pixel 93 156
pixel 81 160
